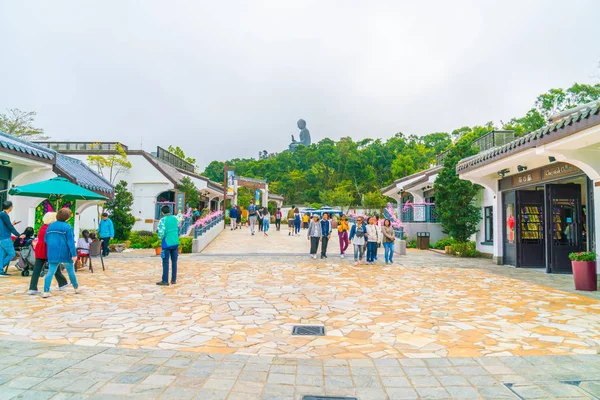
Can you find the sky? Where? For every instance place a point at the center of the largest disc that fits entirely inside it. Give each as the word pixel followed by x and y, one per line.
pixel 225 79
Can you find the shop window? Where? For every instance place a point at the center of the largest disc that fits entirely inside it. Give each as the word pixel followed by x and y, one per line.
pixel 488 219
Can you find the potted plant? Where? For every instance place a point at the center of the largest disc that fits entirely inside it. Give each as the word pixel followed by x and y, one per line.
pixel 157 245
pixel 584 270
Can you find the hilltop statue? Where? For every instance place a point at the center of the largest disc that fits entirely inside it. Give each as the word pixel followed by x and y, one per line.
pixel 304 136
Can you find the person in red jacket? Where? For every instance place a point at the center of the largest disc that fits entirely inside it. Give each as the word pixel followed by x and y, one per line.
pixel 41 257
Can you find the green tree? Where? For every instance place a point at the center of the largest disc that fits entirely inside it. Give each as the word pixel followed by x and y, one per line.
pixel 20 123
pixel 374 201
pixel 454 197
pixel 214 171
pixel 109 167
pixel 119 209
pixel 187 186
pixel 179 153
pixel 339 197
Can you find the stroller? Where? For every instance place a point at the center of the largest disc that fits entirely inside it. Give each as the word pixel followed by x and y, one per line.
pixel 26 259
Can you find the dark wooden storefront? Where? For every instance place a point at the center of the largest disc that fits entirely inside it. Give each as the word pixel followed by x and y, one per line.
pixel 544 219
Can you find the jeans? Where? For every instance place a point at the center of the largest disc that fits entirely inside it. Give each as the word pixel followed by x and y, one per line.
pixel 266 225
pixel 172 253
pixel 389 251
pixel 105 249
pixel 37 271
pixel 343 241
pixel 260 224
pixel 359 252
pixel 252 222
pixel 297 225
pixel 278 224
pixel 53 267
pixel 7 251
pixel 314 245
pixel 371 251
pixel 324 242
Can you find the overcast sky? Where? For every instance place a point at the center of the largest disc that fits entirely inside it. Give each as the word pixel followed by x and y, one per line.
pixel 225 79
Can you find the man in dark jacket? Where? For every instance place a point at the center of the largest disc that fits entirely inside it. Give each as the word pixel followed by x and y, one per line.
pixel 233 213
pixel 7 249
pixel 326 232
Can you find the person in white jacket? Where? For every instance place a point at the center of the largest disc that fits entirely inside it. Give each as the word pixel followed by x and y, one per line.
pixel 373 237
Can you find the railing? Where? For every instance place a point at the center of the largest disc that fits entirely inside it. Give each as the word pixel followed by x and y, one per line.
pixel 82 146
pixel 184 226
pixel 208 225
pixel 399 232
pixel 419 213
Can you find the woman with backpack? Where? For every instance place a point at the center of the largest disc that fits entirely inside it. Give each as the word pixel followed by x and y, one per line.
pixel 357 238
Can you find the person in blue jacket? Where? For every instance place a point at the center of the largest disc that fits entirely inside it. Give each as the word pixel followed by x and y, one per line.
pixel 233 214
pixel 7 249
pixel 60 241
pixel 106 231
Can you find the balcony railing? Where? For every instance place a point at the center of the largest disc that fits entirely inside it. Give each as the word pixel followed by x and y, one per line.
pixel 82 146
pixel 419 213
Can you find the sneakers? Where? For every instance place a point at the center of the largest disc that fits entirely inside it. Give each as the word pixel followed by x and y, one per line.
pixel 45 295
pixel 61 288
pixel 33 292
pixel 161 283
pixel 78 291
pixel 4 274
pixel 173 282
pixel 341 256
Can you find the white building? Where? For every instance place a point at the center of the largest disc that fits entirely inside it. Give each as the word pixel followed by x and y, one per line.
pixel 541 192
pixel 153 179
pixel 23 162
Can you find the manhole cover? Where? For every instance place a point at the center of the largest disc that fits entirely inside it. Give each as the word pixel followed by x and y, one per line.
pixel 327 398
pixel 311 331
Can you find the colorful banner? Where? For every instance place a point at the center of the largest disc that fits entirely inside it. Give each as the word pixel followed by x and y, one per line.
pixel 257 197
pixel 230 185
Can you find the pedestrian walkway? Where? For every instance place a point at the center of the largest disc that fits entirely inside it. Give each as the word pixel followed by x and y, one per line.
pixel 429 326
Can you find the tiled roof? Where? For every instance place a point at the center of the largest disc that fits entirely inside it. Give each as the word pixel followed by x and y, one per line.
pixel 574 119
pixel 82 174
pixel 22 146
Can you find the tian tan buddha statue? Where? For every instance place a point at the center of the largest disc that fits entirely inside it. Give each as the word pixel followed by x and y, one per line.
pixel 304 136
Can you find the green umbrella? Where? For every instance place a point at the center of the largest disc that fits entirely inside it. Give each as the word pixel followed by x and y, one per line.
pixel 55 189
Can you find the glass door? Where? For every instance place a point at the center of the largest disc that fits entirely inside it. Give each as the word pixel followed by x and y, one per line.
pixel 509 218
pixel 564 226
pixel 530 228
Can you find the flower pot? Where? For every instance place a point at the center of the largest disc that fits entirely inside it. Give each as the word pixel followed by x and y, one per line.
pixel 584 275
pixel 158 250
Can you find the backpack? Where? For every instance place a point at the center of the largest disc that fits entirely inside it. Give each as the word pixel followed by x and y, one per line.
pixel 360 231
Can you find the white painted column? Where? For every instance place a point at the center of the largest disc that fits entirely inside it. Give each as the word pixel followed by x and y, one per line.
pixel 498 228
pixel 265 196
pixel 597 220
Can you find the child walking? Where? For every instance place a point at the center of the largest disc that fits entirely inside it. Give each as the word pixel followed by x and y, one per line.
pixel 168 233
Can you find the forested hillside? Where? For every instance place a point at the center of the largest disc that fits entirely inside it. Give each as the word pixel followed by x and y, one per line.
pixel 347 172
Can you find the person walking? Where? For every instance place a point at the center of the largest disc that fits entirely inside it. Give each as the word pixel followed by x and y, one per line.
pixel 372 240
pixel 233 218
pixel 326 234
pixel 41 257
pixel 61 251
pixel 7 228
pixel 389 237
pixel 238 220
pixel 357 237
pixel 305 220
pixel 168 233
pixel 278 216
pixel 252 215
pixel 83 250
pixel 106 231
pixel 296 221
pixel 260 219
pixel 376 223
pixel 266 220
pixel 343 229
pixel 314 235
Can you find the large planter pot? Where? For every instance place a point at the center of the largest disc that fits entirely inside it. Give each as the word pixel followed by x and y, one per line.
pixel 584 275
pixel 158 250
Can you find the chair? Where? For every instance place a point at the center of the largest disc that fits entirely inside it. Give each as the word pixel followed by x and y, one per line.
pixel 96 251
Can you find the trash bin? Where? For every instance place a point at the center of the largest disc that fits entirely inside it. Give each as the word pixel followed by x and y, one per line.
pixel 423 240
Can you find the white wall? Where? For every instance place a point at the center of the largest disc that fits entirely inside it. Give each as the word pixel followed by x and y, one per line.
pixel 485 198
pixel 145 183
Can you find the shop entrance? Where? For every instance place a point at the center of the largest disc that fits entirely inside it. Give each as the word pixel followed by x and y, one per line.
pixel 566 233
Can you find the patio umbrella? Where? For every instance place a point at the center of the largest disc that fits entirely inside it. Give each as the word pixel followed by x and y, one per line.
pixel 55 189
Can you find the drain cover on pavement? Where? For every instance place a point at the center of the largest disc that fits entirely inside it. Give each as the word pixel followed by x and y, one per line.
pixel 327 398
pixel 310 331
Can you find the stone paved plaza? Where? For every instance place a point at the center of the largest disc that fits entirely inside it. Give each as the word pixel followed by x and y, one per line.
pixel 429 326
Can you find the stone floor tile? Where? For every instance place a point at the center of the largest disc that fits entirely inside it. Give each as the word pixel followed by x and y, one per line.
pixel 148 391
pixel 310 380
pixel 36 395
pixel 423 381
pixel 53 384
pixel 404 393
pixel 243 396
pixel 410 362
pixel 462 362
pixel 462 392
pixel 283 369
pixel 453 380
pixel 156 379
pixel 9 393
pixel 433 393
pixel 530 391
pixel 218 384
pixel 390 371
pixel 251 387
pixel 310 370
pixel 226 373
pixel 483 380
pixel 437 362
pixel 116 389
pixel 370 394
pixel 338 382
pixel 413 371
pixel 395 381
pixel 211 395
pixel 179 393
pixel 496 392
pixel 281 379
pixel 22 382
pixel 472 371
pixel 366 381
pixel 130 377
pixel 563 390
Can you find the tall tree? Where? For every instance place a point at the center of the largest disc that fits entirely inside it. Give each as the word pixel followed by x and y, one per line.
pixel 20 123
pixel 119 209
pixel 109 167
pixel 187 186
pixel 454 197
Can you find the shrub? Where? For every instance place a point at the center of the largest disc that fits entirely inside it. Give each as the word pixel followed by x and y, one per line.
pixel 465 249
pixel 442 243
pixel 411 243
pixel 186 244
pixel 583 256
pixel 142 239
